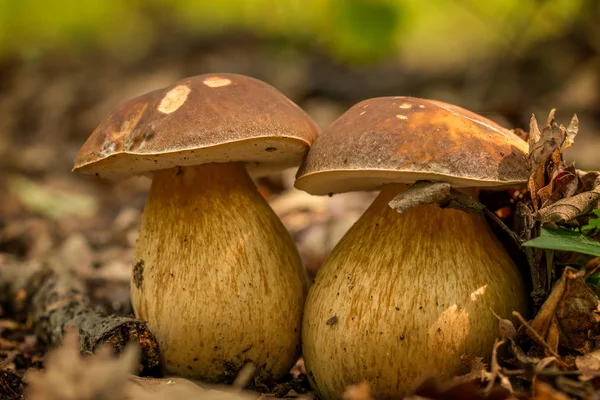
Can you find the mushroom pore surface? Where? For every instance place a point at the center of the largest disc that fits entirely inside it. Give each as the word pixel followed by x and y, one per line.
pixel 410 294
pixel 217 276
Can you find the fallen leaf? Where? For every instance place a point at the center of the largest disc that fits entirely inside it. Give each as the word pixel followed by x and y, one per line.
pixel 568 209
pixel 568 315
pixel 545 155
pixel 566 184
pixel 420 193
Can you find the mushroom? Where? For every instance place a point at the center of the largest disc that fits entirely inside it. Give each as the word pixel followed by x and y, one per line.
pixel 404 296
pixel 216 274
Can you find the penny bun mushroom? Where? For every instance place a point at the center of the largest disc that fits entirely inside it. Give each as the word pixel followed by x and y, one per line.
pixel 216 274
pixel 403 296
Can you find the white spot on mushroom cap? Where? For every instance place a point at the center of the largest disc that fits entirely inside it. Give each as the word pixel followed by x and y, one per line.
pixel 400 116
pixel 362 112
pixel 215 81
pixel 405 105
pixel 174 99
pixel 421 106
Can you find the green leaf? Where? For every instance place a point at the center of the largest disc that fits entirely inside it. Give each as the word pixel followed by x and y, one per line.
pixel 592 223
pixel 566 240
pixel 594 279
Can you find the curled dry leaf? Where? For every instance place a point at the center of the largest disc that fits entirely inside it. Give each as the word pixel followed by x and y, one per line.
pixel 565 185
pixel 569 314
pixel 506 329
pixel 567 209
pixel 587 179
pixel 545 156
pixel 420 193
pixel 588 365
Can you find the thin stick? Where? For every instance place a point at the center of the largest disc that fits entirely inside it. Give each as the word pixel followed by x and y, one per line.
pixel 538 338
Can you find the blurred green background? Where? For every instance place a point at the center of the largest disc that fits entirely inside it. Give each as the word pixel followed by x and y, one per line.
pixel 64 64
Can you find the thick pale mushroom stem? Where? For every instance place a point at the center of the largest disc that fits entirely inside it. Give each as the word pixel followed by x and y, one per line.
pixel 217 276
pixel 403 296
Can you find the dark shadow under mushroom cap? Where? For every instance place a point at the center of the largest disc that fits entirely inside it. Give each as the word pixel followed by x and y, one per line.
pixel 404 139
pixel 202 119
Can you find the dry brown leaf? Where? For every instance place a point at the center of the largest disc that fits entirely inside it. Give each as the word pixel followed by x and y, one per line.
pixel 568 314
pixel 506 329
pixel 543 319
pixel 587 179
pixel 553 336
pixel 567 209
pixel 420 193
pixel 552 169
pixel 578 313
pixel 565 185
pixel 545 156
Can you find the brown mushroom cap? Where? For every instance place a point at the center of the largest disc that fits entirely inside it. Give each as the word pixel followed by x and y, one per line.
pixel 405 139
pixel 202 119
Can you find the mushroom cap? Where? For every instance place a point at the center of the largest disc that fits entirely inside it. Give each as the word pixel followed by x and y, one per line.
pixel 203 119
pixel 405 139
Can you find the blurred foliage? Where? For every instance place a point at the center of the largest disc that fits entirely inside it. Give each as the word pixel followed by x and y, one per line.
pixel 440 31
pixel 594 223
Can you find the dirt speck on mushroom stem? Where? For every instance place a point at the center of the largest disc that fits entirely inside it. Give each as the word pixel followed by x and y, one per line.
pixel 138 274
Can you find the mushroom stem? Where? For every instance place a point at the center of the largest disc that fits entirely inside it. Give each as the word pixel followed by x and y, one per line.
pixel 410 294
pixel 217 276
